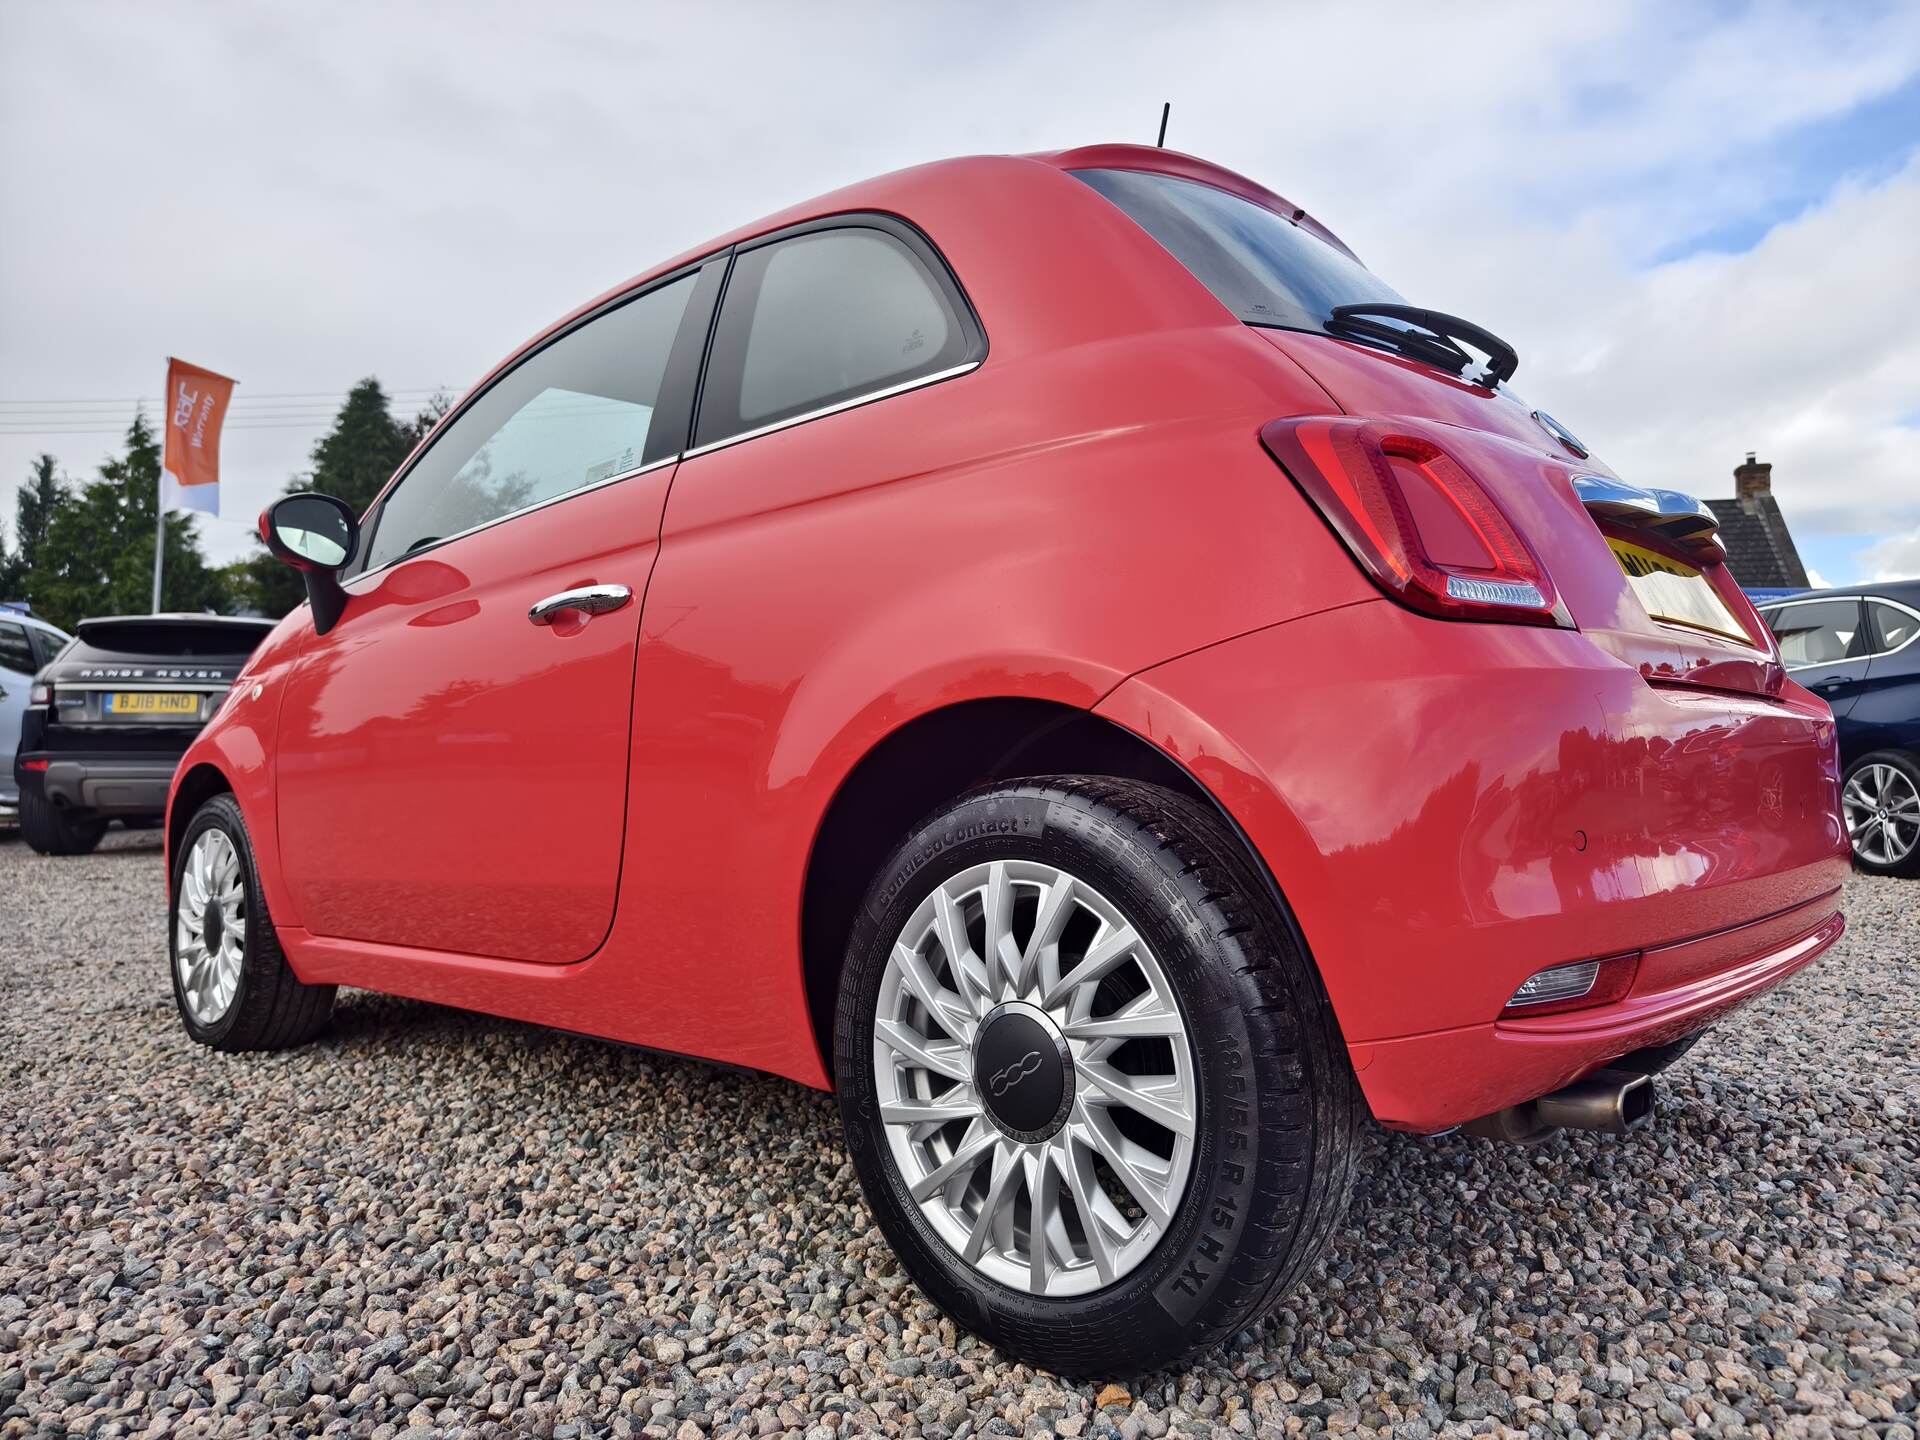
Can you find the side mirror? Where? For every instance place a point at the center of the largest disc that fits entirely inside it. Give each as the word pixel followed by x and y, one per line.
pixel 317 535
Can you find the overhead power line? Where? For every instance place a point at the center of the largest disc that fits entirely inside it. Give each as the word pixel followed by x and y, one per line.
pixel 280 410
pixel 239 397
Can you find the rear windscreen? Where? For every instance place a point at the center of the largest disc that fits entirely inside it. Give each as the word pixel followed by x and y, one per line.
pixel 170 639
pixel 1260 265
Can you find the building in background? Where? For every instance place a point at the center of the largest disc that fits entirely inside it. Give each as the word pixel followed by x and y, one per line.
pixel 1760 550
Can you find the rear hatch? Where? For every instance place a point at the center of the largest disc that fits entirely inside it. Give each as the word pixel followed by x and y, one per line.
pixel 1636 570
pixel 145 681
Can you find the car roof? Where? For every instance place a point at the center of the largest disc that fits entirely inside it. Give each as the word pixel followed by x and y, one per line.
pixel 27 617
pixel 1907 592
pixel 969 206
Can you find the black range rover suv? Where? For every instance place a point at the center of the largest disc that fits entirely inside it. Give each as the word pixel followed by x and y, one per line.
pixel 109 717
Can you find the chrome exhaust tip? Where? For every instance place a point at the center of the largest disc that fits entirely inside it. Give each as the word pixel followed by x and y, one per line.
pixel 1613 1102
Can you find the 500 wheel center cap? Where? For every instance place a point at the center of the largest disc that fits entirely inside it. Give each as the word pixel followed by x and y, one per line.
pixel 1022 1072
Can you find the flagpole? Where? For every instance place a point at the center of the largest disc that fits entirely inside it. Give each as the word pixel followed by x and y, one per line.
pixel 160 500
pixel 159 541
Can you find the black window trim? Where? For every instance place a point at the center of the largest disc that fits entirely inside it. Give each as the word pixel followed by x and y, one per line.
pixel 932 263
pixel 679 387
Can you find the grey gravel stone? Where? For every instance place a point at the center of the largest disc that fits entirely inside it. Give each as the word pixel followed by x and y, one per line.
pixel 433 1223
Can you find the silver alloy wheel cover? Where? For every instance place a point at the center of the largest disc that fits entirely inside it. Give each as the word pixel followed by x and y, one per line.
pixel 1883 813
pixel 977 1186
pixel 210 880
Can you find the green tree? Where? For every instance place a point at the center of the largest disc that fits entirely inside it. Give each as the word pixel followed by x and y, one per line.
pixel 352 462
pixel 95 556
pixel 33 511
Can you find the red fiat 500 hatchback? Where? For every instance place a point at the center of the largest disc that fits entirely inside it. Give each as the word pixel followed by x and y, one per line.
pixel 1055 650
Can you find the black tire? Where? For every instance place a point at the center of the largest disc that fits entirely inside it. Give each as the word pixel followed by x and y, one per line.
pixel 270 1008
pixel 1904 762
pixel 52 831
pixel 1279 1111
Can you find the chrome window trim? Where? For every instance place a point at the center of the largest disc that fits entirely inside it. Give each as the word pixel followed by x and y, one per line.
pixel 886 392
pixel 198 688
pixel 565 495
pixel 1862 601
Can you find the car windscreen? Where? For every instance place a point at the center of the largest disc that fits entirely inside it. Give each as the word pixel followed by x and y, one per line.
pixel 1260 265
pixel 165 639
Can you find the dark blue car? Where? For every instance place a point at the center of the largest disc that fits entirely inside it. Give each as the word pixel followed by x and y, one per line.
pixel 1856 649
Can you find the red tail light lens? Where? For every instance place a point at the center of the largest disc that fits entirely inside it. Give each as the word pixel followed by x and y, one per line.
pixel 1424 529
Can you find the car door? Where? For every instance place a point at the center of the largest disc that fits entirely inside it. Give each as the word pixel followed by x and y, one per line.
pixel 16 675
pixel 452 762
pixel 1824 646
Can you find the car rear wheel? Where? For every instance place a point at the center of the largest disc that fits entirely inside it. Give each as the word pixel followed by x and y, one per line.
pixel 231 981
pixel 52 831
pixel 1881 802
pixel 1090 1080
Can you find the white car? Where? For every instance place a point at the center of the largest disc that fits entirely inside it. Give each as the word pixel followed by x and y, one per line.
pixel 26 643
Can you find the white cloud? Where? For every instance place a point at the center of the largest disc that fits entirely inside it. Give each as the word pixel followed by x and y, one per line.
pixel 1895 558
pixel 300 198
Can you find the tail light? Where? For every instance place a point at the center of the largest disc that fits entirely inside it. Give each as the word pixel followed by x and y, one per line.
pixel 40 694
pixel 1573 987
pixel 1424 529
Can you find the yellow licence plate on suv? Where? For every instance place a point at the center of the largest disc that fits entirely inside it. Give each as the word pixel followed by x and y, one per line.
pixel 150 702
pixel 1675 592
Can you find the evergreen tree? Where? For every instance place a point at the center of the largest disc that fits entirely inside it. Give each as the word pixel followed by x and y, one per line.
pixel 33 510
pixel 352 462
pixel 96 554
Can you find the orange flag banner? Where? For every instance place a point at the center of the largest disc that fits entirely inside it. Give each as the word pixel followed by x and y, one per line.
pixel 196 408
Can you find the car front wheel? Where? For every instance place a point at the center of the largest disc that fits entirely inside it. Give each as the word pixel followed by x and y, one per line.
pixel 1090 1080
pixel 231 980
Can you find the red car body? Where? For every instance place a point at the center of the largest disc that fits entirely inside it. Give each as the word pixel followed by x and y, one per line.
pixel 646 827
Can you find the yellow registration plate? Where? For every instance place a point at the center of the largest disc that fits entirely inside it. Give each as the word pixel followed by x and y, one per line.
pixel 152 702
pixel 1675 592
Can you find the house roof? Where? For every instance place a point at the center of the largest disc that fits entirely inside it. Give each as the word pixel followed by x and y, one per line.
pixel 1760 549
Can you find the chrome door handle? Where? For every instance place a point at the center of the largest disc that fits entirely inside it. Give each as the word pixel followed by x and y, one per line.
pixel 588 600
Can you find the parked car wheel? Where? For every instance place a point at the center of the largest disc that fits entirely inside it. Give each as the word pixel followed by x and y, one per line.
pixel 51 831
pixel 231 981
pixel 1090 1080
pixel 1881 802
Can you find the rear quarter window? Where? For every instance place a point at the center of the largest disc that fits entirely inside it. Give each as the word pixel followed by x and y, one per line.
pixel 823 318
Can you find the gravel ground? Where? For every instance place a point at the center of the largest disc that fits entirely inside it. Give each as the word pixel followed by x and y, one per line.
pixel 431 1222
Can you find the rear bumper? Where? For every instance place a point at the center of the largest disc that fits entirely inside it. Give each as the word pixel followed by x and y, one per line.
pixel 1449 808
pixel 1681 990
pixel 106 785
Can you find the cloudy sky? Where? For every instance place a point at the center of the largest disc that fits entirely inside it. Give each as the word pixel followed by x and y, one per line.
pixel 1700 224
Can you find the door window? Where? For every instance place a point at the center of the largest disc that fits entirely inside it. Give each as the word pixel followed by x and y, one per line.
pixel 1893 627
pixel 16 651
pixel 576 412
pixel 1820 633
pixel 822 318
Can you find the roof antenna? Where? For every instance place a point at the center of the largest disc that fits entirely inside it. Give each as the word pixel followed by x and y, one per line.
pixel 1165 110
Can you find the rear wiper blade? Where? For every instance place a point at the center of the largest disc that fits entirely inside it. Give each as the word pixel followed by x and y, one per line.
pixel 1437 346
